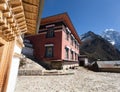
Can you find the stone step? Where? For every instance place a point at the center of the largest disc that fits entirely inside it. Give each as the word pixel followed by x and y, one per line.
pixel 58 72
pixel 29 72
pixel 29 65
pixel 42 73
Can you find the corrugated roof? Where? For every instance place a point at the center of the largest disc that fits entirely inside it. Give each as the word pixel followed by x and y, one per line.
pixel 108 64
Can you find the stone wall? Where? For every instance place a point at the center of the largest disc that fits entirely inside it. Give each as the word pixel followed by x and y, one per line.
pixel 29 72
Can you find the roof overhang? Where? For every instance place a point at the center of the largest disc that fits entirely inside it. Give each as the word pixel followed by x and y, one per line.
pixel 61 17
pixel 18 17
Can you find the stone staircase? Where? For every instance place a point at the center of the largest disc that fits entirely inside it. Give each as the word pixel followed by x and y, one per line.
pixel 28 52
pixel 57 72
pixel 30 67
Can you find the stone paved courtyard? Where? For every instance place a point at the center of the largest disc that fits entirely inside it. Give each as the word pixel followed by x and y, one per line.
pixel 81 81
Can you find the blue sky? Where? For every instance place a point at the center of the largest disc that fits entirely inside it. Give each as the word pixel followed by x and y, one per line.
pixel 87 15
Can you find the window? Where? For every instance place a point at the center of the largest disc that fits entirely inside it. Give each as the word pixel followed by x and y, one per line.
pixel 75 56
pixel 67 35
pixel 71 40
pixel 75 44
pixel 67 53
pixel 49 51
pixel 78 46
pixel 50 33
pixel 71 55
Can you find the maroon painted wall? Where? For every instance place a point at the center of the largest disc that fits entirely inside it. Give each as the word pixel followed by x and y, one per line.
pixel 39 42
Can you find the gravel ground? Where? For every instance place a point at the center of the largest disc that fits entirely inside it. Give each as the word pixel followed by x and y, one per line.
pixel 81 81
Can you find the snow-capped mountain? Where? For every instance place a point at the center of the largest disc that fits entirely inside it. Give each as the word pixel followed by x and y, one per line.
pixel 96 47
pixel 113 37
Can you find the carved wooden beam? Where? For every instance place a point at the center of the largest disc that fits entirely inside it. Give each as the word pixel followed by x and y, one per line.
pixel 10 20
pixel 24 30
pixel 17 8
pixel 1 18
pixel 3 6
pixel 31 25
pixel 32 8
pixel 22 23
pixel 18 15
pixel 22 27
pixel 31 28
pixel 15 2
pixel 20 19
pixel 30 21
pixel 13 25
pixel 7 14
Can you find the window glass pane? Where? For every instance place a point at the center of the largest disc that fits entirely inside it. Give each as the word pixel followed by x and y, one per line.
pixel 71 40
pixel 49 51
pixel 67 53
pixel 71 55
pixel 50 33
pixel 67 35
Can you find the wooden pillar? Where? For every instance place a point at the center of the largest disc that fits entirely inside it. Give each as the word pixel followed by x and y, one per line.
pixel 14 65
pixel 7 53
pixel 1 51
pixel 2 63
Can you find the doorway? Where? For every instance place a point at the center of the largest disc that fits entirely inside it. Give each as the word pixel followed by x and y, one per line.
pixel 81 62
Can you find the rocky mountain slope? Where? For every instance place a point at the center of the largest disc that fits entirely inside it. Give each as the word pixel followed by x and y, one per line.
pixel 113 37
pixel 97 48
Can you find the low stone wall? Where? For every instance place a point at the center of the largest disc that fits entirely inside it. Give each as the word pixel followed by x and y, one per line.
pixel 64 64
pixel 44 73
pixel 56 65
pixel 72 66
pixel 29 72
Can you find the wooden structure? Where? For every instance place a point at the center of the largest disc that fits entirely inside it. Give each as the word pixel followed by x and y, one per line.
pixel 16 18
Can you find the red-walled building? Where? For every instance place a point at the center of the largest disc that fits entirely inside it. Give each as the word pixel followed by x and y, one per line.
pixel 57 41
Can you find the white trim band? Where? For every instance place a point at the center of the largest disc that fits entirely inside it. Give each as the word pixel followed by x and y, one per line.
pixel 49 45
pixel 72 50
pixel 52 25
pixel 67 47
pixel 68 30
pixel 72 36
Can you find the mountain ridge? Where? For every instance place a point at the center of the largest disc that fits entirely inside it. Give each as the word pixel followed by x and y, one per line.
pixel 96 47
pixel 113 37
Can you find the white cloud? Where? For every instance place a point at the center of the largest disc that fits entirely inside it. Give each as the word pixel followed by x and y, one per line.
pixel 106 30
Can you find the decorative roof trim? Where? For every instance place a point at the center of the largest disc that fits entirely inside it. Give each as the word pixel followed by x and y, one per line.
pixel 61 17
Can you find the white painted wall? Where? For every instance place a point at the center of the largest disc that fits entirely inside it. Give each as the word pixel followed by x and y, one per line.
pixel 13 70
pixel 86 61
pixel 27 51
pixel 13 74
pixel 17 49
